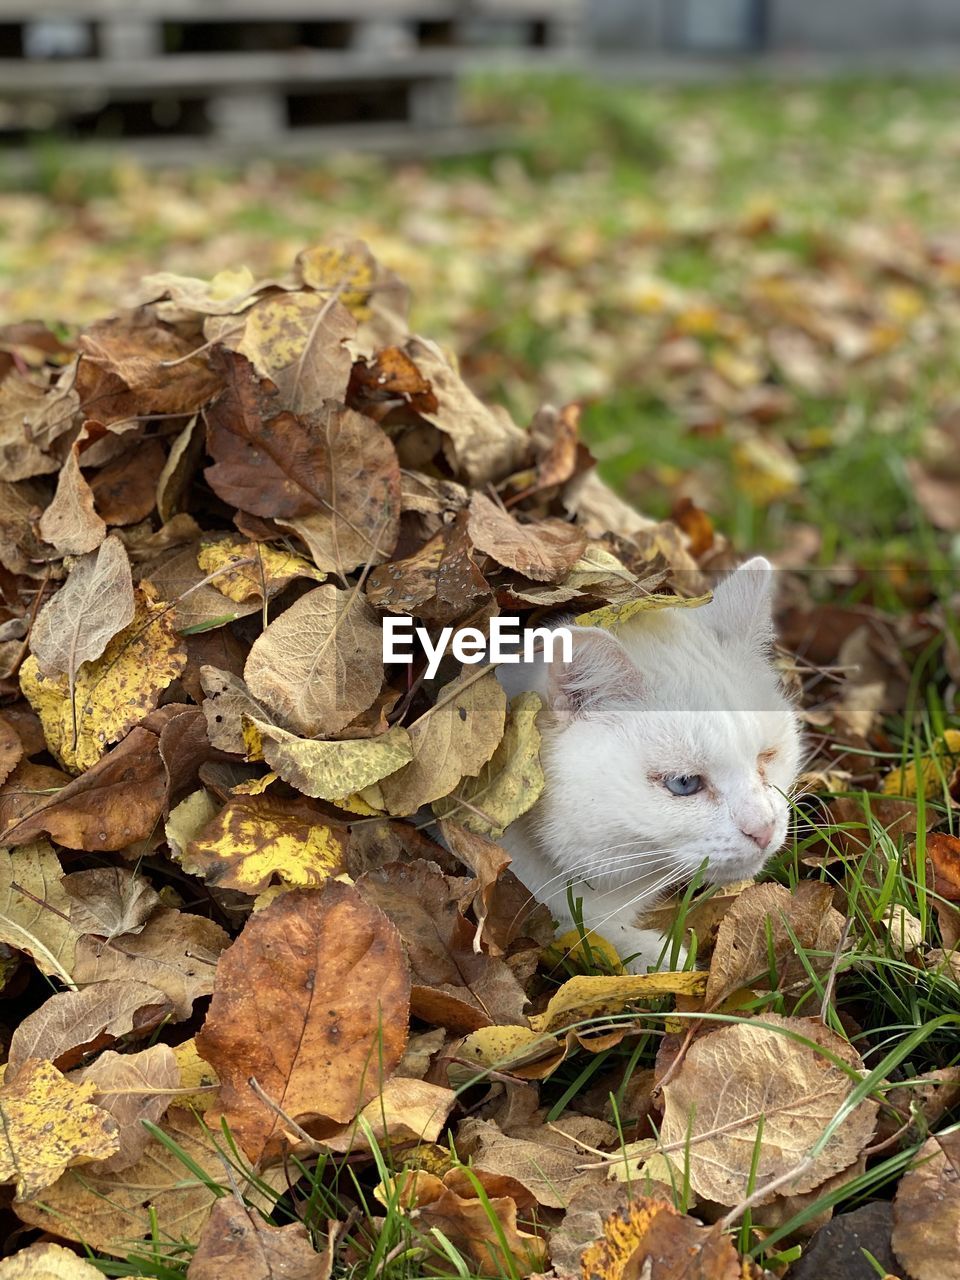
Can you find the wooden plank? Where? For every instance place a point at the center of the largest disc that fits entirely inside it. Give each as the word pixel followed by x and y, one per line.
pixel 199 71
pixel 282 10
pixel 395 140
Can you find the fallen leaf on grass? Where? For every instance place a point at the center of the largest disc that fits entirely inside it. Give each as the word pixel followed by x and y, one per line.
pixel 405 1112
pixel 484 1230
pixel 943 851
pixel 755 942
pixel 48 1125
pixel 941 763
pixel 594 997
pixel 322 1028
pixel 926 1212
pixel 254 838
pixel 732 1078
pixel 237 1242
pixel 158 1199
pixel 319 663
pixel 548 1162
pixel 650 1238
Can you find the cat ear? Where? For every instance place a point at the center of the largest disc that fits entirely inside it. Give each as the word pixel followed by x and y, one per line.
pixel 599 672
pixel 741 611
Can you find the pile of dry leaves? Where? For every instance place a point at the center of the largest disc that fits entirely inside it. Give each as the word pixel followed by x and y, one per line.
pixel 212 787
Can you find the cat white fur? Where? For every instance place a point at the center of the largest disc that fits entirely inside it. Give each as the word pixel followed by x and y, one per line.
pixel 676 692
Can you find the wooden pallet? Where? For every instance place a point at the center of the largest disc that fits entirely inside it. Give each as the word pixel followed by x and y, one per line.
pixel 218 70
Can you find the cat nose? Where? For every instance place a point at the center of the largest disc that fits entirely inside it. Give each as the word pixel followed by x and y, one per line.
pixel 760 835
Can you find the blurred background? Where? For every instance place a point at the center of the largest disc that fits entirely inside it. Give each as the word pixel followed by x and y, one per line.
pixel 728 227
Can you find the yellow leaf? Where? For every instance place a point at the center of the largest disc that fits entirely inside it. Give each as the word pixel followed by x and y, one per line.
pixel 765 469
pixel 596 997
pixel 270 571
pixel 35 909
pixel 570 946
pixel 326 770
pixel 348 268
pixel 47 1262
pixel 612 615
pixel 509 783
pixel 197 1075
pixel 113 693
pixel 254 838
pixel 939 764
pixel 48 1125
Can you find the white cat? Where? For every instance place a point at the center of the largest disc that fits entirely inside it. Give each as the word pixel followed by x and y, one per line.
pixel 666 746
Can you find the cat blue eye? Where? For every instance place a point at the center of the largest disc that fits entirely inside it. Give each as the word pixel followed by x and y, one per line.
pixel 684 784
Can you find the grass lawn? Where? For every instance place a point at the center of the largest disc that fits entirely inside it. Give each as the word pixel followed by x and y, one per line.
pixel 754 291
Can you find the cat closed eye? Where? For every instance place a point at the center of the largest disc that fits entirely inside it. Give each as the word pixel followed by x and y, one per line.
pixel 684 784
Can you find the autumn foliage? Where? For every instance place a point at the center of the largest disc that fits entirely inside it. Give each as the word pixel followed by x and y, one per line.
pixel 259 868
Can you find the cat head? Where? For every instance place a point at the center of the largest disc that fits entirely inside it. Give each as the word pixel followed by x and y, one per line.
pixel 671 743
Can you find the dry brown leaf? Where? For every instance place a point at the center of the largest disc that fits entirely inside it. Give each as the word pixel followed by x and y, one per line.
pixel 109 901
pixel 405 1111
pixel 650 1239
pixel 755 934
pixel 440 581
pixel 111 806
pixel 70 522
pixel 322 1028
pixel 297 341
pixel 486 444
pixel 125 490
pixel 545 550
pixel 93 605
pixel 175 952
pixel 71 1024
pixel 484 1231
pixel 943 852
pixel 319 663
pixel 358 511
pixel 131 365
pixel 926 1212
pixel 731 1078
pixel 133 1087
pixel 452 985
pixel 11 749
pixel 21 399
pixel 549 1162
pixel 451 740
pixel 236 1242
